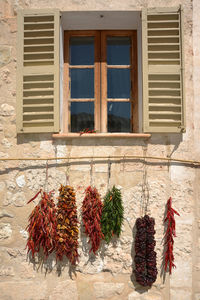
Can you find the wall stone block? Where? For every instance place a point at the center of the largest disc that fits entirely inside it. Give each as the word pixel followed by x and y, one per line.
pixel 4 213
pixel 144 296
pixel 65 290
pixel 5 55
pixel 20 180
pixel 6 110
pixel 23 290
pixel 104 290
pixel 7 271
pixel 180 294
pixel 5 231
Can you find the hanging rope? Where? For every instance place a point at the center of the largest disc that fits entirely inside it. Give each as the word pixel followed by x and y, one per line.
pixel 67 172
pixel 145 188
pixel 109 173
pixel 46 179
pixel 91 172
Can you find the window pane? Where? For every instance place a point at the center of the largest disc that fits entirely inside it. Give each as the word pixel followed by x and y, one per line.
pixel 119 85
pixel 118 50
pixel 82 83
pixel 82 116
pixel 82 50
pixel 119 116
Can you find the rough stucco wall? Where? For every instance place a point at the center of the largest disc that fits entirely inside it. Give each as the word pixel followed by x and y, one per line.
pixel 109 275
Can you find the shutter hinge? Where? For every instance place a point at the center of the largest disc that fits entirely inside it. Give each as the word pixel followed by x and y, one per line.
pixel 182 128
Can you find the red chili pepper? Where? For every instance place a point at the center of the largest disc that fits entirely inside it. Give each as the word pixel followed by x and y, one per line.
pixel 91 213
pixel 86 130
pixel 42 226
pixel 170 232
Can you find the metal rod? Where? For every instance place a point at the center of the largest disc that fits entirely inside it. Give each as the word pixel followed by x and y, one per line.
pixel 106 157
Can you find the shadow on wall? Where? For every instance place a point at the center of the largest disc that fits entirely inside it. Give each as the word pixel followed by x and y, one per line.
pixel 156 138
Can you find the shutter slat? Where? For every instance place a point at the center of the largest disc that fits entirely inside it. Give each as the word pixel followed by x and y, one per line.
pixel 37 46
pixel 163 21
pixel 163 44
pixel 163 52
pixel 162 37
pixel 163 29
pixel 37 97
pixel 163 89
pixel 39 52
pixel 38 66
pixel 165 122
pixel 165 97
pixel 36 105
pixel 38 38
pixel 156 112
pixel 40 30
pixel 39 23
pixel 40 121
pixel 167 105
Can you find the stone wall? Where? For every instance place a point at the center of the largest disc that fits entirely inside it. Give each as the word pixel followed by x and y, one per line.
pixel 109 275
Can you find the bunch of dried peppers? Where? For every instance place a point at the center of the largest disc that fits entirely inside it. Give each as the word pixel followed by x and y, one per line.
pixel 112 214
pixel 42 225
pixel 145 256
pixel 67 225
pixel 170 232
pixel 91 214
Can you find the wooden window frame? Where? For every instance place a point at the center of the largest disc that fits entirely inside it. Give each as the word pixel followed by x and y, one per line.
pixel 100 78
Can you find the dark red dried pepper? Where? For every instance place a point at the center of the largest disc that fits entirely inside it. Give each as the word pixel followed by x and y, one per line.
pixel 67 225
pixel 91 214
pixel 145 256
pixel 87 130
pixel 42 225
pixel 170 232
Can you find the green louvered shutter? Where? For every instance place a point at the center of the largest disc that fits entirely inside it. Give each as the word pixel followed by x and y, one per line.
pixel 163 67
pixel 38 71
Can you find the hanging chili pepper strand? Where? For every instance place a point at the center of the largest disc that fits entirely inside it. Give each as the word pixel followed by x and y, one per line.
pixel 145 256
pixel 112 214
pixel 91 214
pixel 170 232
pixel 42 225
pixel 67 228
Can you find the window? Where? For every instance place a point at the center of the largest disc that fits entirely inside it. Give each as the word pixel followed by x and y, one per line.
pixel 105 91
pixel 100 81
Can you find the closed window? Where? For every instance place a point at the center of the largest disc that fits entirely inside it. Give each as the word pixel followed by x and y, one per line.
pixel 100 81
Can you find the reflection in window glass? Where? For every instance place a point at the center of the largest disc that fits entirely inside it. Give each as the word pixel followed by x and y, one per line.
pixel 119 85
pixel 118 50
pixel 119 116
pixel 82 83
pixel 82 116
pixel 81 50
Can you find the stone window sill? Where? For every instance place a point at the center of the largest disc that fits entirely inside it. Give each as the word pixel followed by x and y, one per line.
pixel 100 135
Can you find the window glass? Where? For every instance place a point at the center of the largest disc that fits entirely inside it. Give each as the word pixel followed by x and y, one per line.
pixel 118 50
pixel 82 83
pixel 82 116
pixel 118 83
pixel 81 50
pixel 119 116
